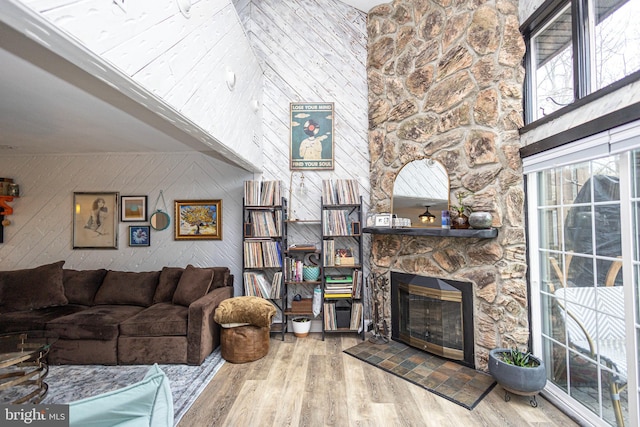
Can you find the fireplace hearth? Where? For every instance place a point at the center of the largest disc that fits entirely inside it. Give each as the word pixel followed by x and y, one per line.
pixel 434 315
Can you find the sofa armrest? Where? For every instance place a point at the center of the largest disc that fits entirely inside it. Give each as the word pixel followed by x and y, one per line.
pixel 203 333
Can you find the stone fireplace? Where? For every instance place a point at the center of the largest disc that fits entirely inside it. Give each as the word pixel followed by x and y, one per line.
pixel 445 83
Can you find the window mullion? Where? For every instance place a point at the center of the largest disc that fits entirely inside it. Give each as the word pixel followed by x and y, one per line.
pixel 581 49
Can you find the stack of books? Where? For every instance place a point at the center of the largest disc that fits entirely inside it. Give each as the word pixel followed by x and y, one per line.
pixel 338 287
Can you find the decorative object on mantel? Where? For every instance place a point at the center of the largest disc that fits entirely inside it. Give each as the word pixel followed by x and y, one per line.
pixel 461 219
pixel 401 222
pixel 480 220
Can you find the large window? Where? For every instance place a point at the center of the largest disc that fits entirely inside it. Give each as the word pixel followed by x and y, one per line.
pixel 584 239
pixel 578 48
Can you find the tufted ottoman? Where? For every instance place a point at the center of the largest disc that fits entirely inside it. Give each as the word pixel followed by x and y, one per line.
pixel 245 322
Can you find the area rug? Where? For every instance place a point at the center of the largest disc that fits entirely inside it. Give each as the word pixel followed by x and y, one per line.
pixel 68 383
pixel 450 380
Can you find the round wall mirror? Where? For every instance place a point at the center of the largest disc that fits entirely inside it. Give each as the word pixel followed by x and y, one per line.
pixel 160 220
pixel 421 187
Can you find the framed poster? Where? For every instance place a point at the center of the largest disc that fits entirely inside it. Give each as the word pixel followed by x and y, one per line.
pixel 95 220
pixel 198 220
pixel 139 235
pixel 311 140
pixel 133 208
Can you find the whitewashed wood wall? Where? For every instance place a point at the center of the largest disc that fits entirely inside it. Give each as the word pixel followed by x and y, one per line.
pixel 311 51
pixel 41 230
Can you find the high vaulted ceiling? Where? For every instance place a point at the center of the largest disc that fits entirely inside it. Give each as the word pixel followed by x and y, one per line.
pixel 49 105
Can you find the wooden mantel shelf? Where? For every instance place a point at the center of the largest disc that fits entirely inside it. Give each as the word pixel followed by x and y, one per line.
pixel 437 232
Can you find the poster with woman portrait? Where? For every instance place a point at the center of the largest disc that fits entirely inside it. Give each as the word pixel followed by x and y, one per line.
pixel 95 224
pixel 311 144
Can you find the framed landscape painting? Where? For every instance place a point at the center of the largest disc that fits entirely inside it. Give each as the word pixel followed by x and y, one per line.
pixel 133 208
pixel 198 220
pixel 95 220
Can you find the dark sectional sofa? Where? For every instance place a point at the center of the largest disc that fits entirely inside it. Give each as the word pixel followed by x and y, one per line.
pixel 118 317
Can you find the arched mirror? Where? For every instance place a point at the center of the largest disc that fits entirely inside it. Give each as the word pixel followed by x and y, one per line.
pixel 421 193
pixel 160 220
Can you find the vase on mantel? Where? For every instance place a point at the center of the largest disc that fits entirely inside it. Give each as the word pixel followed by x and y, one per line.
pixel 460 222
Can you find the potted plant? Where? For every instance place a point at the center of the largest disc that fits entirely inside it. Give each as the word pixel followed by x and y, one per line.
pixel 518 372
pixel 460 219
pixel 301 326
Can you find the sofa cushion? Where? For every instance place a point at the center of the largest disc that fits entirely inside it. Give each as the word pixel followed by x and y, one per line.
pixel 160 319
pixel 128 288
pixel 220 277
pixel 80 287
pixel 100 322
pixel 167 284
pixel 146 403
pixel 33 288
pixel 194 283
pixel 35 320
pixel 253 310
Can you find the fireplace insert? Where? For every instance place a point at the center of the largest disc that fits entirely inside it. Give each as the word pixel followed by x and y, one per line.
pixel 435 315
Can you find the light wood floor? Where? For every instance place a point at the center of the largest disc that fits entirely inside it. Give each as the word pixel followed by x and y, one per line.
pixel 310 382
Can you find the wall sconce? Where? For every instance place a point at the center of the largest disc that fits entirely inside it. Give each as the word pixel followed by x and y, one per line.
pixel 185 7
pixel 427 217
pixel 230 78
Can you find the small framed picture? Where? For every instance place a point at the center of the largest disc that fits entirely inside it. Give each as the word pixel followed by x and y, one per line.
pixel 382 220
pixel 133 209
pixel 139 235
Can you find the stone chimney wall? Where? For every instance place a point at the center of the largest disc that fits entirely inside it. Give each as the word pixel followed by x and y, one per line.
pixel 445 82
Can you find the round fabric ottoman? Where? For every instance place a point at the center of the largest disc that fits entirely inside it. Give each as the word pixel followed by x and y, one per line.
pixel 245 322
pixel 242 344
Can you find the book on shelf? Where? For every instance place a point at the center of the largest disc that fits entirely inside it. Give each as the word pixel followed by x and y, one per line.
pixel 262 253
pixel 265 224
pixel 334 296
pixel 330 323
pixel 356 316
pixel 262 193
pixel 358 278
pixel 276 285
pixel 339 279
pixel 329 259
pixel 338 222
pixel 307 246
pixel 342 192
pixel 256 284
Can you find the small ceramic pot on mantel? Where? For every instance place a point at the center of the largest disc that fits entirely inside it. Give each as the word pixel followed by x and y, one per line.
pixel 460 222
pixel 480 220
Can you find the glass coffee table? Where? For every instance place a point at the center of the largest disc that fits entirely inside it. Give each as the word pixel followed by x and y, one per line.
pixel 23 366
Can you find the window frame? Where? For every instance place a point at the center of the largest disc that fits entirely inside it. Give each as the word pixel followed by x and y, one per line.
pixel 582 64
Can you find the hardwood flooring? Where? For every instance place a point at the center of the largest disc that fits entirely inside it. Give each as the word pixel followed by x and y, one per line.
pixel 310 382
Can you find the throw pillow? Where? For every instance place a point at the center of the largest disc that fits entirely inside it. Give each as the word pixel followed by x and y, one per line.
pixel 247 309
pixel 194 283
pixel 128 288
pixel 167 284
pixel 148 402
pixel 33 288
pixel 80 286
